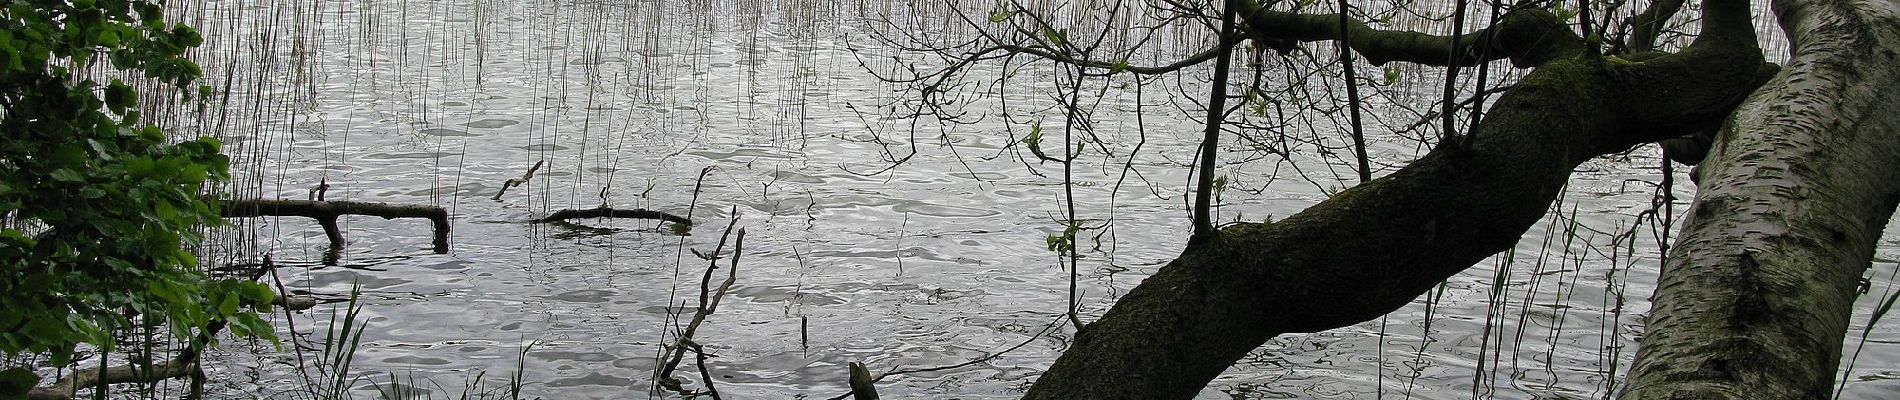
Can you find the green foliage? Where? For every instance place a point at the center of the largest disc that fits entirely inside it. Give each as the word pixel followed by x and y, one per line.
pixel 1564 13
pixel 1034 140
pixel 1002 14
pixel 16 382
pixel 1057 37
pixel 96 207
pixel 1063 244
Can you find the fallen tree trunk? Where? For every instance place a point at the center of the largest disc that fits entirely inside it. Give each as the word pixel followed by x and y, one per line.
pixel 1755 297
pixel 326 213
pixel 1373 248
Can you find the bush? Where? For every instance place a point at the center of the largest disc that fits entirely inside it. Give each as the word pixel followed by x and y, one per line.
pixel 96 207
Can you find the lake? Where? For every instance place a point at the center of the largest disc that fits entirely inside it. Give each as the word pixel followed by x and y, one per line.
pixel 849 255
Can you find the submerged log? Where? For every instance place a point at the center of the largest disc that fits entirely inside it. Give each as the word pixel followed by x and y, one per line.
pixel 610 212
pixel 88 378
pixel 326 213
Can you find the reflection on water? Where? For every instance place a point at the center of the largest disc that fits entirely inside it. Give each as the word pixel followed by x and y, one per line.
pixel 937 261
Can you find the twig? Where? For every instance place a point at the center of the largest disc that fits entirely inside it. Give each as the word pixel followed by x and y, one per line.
pixel 316 192
pixel 513 182
pixel 699 354
pixel 708 302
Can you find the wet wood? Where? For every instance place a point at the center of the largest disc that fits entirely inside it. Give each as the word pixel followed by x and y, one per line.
pixel 63 390
pixel 610 212
pixel 326 213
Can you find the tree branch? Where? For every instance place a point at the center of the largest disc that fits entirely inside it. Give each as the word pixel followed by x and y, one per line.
pixel 1528 37
pixel 1755 297
pixel 326 213
pixel 609 212
pixel 1370 249
pixel 1645 27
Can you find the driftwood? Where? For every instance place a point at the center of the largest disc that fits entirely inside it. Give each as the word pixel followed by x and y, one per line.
pixel 326 212
pixel 610 212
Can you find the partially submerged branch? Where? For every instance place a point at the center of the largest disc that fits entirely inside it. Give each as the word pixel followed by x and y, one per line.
pixel 92 377
pixel 185 364
pixel 609 212
pixel 709 298
pixel 326 213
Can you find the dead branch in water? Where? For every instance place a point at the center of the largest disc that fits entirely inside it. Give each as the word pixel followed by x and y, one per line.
pixel 610 212
pixel 708 302
pixel 91 377
pixel 185 364
pixel 326 213
pixel 513 182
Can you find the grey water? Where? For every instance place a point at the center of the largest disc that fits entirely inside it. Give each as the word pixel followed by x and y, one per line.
pixel 936 260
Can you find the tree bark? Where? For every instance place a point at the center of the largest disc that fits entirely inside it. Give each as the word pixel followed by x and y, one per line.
pixel 1375 247
pixel 1754 300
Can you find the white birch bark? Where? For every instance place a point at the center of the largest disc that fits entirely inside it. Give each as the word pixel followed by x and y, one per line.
pixel 1755 297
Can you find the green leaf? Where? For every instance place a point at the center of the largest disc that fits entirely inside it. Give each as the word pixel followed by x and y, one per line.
pixel 1034 140
pixel 119 97
pixel 109 38
pixel 67 175
pixel 228 305
pixel 16 382
pixel 1001 15
pixel 1056 37
pixel 122 197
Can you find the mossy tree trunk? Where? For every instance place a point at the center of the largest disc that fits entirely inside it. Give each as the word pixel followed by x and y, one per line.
pixel 1754 299
pixel 1377 246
